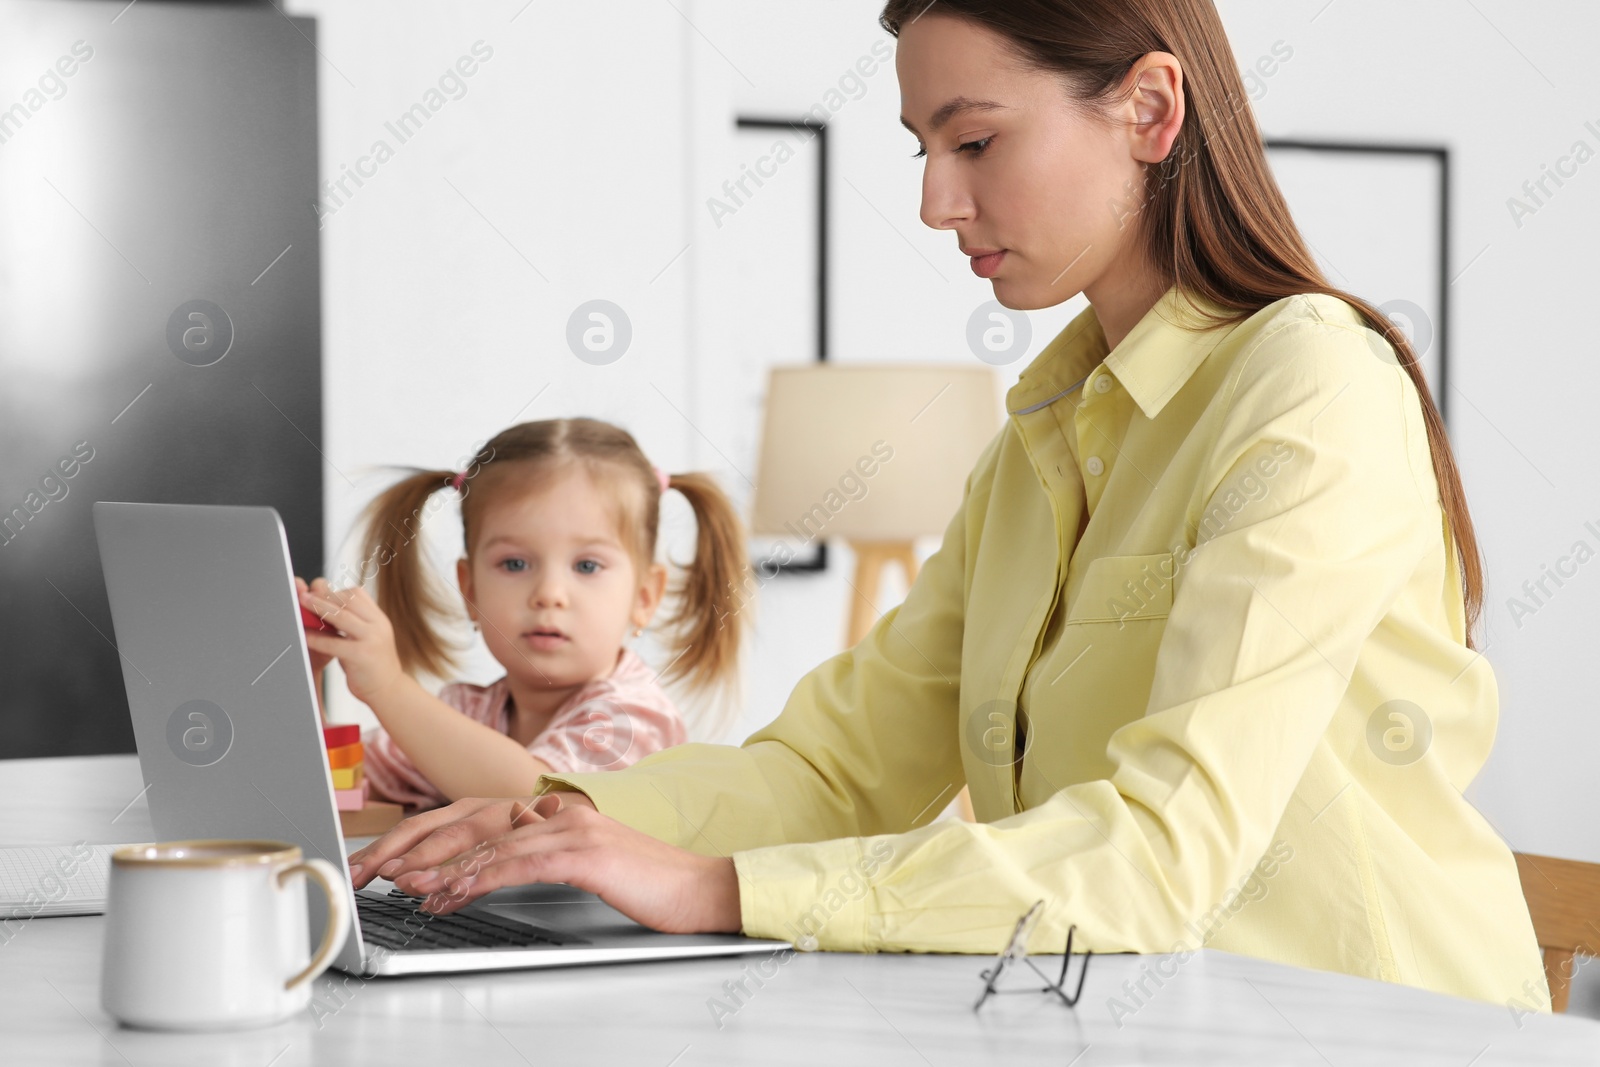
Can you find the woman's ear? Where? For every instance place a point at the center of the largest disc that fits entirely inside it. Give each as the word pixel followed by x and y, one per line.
pixel 1156 105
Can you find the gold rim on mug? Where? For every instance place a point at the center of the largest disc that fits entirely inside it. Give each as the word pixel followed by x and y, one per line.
pixel 226 853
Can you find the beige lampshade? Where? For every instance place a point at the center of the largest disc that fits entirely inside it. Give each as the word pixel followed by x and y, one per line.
pixel 870 451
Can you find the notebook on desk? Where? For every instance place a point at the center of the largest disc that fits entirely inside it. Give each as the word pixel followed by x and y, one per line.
pixel 218 678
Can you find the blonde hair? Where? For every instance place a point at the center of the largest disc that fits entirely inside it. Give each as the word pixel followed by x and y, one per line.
pixel 704 634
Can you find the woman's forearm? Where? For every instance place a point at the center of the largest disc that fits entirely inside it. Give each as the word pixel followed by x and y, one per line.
pixel 460 756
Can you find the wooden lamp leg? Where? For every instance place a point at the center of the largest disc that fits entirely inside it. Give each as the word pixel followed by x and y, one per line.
pixel 870 559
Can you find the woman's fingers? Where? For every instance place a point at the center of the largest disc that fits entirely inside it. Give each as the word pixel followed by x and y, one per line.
pixel 447 843
pixel 521 815
pixel 549 851
pixel 522 819
pixel 458 890
pixel 475 820
pixel 366 862
pixel 561 800
pixel 660 885
pixel 549 804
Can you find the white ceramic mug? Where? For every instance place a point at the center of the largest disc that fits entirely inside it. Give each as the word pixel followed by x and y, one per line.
pixel 211 934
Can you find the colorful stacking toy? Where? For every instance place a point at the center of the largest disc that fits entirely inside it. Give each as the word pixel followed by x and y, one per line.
pixel 344 759
pixel 358 816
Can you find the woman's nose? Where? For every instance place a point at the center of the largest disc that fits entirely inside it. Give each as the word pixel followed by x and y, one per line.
pixel 943 205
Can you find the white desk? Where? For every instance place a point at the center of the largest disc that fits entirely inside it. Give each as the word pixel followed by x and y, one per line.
pixel 819 1008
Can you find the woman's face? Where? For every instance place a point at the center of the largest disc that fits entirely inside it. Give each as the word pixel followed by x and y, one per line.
pixel 552 560
pixel 1021 169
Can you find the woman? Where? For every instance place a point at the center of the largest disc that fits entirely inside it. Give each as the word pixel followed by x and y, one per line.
pixel 1199 638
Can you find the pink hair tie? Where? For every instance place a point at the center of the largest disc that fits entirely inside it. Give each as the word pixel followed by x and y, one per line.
pixel 662 477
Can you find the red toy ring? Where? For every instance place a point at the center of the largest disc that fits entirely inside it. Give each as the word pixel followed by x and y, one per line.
pixel 315 622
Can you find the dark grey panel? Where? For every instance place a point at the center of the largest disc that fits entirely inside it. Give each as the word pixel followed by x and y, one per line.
pixel 175 163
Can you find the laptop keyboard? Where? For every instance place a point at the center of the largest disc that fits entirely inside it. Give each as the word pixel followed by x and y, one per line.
pixel 397 922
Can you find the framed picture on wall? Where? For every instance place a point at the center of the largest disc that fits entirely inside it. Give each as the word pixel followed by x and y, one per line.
pixel 1377 219
pixel 778 236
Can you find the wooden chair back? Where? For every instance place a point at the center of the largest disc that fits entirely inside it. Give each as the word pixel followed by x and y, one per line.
pixel 1564 902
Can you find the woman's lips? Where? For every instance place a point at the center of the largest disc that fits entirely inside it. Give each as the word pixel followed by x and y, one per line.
pixel 987 266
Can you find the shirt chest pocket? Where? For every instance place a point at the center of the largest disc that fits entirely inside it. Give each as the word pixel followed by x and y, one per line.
pixel 1124 589
pixel 1097 675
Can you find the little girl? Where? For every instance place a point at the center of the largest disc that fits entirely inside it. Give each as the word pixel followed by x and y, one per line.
pixel 560 523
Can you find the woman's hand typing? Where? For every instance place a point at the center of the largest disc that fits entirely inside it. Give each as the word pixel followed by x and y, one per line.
pixel 454 855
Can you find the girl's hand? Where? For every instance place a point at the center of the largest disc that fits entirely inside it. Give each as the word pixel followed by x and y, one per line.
pixel 456 854
pixel 319 660
pixel 366 651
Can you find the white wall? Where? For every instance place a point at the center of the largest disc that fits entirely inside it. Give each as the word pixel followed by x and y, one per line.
pixel 594 135
pixel 590 141
pixel 558 177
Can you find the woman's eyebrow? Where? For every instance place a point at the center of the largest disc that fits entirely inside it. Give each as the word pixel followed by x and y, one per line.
pixel 951 108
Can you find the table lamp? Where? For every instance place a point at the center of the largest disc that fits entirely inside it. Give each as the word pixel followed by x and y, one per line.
pixel 874 453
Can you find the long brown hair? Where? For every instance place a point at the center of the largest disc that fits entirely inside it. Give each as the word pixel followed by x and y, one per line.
pixel 1214 221
pixel 705 631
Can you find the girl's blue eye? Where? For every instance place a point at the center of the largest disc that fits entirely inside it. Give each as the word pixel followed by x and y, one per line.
pixel 507 564
pixel 977 148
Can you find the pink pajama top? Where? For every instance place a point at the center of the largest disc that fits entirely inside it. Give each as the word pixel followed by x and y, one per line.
pixel 610 723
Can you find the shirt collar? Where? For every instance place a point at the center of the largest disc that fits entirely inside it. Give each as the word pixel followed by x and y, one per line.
pixel 1061 366
pixel 1152 362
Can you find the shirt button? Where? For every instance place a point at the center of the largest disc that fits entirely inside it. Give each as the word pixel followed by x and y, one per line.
pixel 1102 384
pixel 1096 467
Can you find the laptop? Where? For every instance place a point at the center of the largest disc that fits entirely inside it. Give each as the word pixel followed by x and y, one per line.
pixel 230 743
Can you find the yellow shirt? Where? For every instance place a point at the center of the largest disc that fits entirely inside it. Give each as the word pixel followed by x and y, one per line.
pixel 1205 581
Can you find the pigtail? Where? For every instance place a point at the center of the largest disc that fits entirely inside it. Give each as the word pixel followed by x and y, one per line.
pixel 707 628
pixel 709 615
pixel 407 592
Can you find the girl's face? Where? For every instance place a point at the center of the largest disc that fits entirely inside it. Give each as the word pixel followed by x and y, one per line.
pixel 551 561
pixel 1013 164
